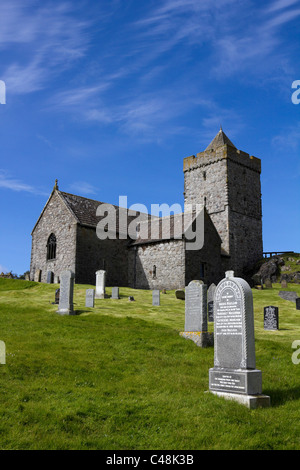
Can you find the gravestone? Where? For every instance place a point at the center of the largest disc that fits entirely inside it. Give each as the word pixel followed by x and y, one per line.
pixel 65 306
pixel 268 283
pixel 298 303
pixel 195 307
pixel 56 279
pixel 288 295
pixel 90 298
pixel 100 284
pixel 210 302
pixel 156 298
pixel 37 275
pixel 195 327
pixel 57 293
pixel 234 375
pixel 50 277
pixel 131 298
pixel 2 353
pixel 115 293
pixel 180 294
pixel 284 284
pixel 271 318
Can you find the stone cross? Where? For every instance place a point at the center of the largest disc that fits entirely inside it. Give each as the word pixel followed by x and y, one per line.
pixel 90 298
pixel 100 284
pixel 234 374
pixel 196 307
pixel 65 306
pixel 156 298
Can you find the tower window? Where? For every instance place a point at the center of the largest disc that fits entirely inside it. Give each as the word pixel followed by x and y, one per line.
pixel 51 247
pixel 154 272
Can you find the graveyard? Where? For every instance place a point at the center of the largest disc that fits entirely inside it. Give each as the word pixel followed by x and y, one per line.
pixel 120 376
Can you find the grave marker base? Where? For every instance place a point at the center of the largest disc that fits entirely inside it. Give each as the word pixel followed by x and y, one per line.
pixel 251 401
pixel 203 339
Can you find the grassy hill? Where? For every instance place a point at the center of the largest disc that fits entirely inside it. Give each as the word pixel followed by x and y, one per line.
pixel 120 376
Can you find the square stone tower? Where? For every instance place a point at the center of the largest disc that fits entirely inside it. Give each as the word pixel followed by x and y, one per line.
pixel 227 182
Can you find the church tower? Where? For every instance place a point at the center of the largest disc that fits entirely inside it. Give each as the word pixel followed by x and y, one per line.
pixel 227 182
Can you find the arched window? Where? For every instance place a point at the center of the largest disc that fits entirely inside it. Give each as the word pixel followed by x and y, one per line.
pixel 51 247
pixel 154 272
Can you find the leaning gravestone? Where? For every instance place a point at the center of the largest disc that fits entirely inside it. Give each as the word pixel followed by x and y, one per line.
pixel 90 298
pixel 210 302
pixel 234 375
pixel 115 293
pixel 65 306
pixel 100 284
pixel 156 298
pixel 298 303
pixel 195 327
pixel 271 318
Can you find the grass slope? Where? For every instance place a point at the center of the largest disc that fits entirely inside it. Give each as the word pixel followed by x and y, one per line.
pixel 119 376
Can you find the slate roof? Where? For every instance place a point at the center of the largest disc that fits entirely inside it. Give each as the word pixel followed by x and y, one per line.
pixel 220 140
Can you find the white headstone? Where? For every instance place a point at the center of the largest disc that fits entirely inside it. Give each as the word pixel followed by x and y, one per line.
pixel 100 284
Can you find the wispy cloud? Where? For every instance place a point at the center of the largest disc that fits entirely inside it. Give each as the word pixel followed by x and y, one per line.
pixel 49 38
pixel 7 182
pixel 82 187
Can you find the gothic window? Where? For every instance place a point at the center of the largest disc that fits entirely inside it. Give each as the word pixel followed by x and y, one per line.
pixel 51 247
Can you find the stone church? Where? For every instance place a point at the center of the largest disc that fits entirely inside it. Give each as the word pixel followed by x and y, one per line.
pixel 223 180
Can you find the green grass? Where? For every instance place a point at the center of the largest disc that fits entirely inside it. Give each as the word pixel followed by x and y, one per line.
pixel 120 376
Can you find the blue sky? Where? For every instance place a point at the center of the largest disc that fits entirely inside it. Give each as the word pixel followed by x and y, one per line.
pixel 110 96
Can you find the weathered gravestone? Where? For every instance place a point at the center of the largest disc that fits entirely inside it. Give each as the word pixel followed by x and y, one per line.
pixel 156 298
pixel 268 283
pixel 234 375
pixel 210 302
pixel 50 277
pixel 298 303
pixel 288 295
pixel 65 306
pixel 115 293
pixel 100 284
pixel 271 318
pixel 90 298
pixel 38 275
pixel 195 327
pixel 2 353
pixel 284 284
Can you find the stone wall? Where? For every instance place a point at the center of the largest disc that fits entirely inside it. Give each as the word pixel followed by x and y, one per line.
pixel 93 254
pixel 168 257
pixel 205 264
pixel 56 219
